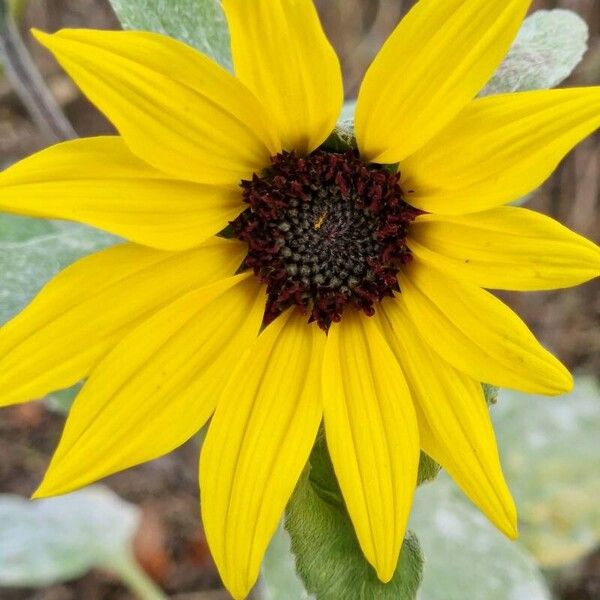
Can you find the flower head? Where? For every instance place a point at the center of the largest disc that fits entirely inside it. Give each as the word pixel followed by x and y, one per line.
pixel 325 233
pixel 352 291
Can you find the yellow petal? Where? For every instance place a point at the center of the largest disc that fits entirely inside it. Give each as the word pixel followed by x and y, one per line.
pixel 281 53
pixel 477 334
pixel 88 308
pixel 454 422
pixel 372 436
pixel 505 248
pixel 175 108
pixel 257 445
pixel 99 181
pixel 438 58
pixel 499 149
pixel 158 387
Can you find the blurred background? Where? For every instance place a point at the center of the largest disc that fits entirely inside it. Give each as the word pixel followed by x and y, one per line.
pixel 169 544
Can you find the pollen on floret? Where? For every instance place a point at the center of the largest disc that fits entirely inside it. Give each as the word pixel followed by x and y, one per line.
pixel 325 233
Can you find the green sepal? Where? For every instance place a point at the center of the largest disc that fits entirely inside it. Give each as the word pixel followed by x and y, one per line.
pixel 428 469
pixel 328 557
pixel 491 393
pixel 341 139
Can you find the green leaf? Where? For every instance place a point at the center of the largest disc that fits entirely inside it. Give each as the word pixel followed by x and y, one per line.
pixel 466 557
pixel 548 48
pixel 551 459
pixel 32 251
pixel 53 540
pixel 199 23
pixel 328 557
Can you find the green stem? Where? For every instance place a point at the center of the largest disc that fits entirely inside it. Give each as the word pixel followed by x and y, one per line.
pixel 126 567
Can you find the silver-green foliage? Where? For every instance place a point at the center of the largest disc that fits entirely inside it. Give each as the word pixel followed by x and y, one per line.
pixel 199 23
pixel 551 457
pixel 46 541
pixel 466 557
pixel 32 251
pixel 549 46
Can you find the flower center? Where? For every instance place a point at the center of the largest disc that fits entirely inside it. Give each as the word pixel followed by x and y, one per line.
pixel 325 233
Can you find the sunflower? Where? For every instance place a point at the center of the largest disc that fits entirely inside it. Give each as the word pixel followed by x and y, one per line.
pixel 350 288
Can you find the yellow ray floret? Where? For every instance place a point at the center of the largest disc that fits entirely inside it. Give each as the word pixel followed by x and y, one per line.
pixel 281 53
pixel 476 333
pixel 158 387
pixel 99 181
pixel 175 108
pixel 258 443
pixel 87 309
pixel 454 422
pixel 372 436
pixel 499 149
pixel 505 248
pixel 437 60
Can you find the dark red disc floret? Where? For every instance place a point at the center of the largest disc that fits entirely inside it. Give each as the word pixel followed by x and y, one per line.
pixel 325 233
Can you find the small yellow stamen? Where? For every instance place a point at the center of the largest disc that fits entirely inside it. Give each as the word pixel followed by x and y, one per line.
pixel 320 221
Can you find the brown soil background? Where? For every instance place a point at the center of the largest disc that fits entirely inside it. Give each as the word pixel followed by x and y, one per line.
pixel 171 546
